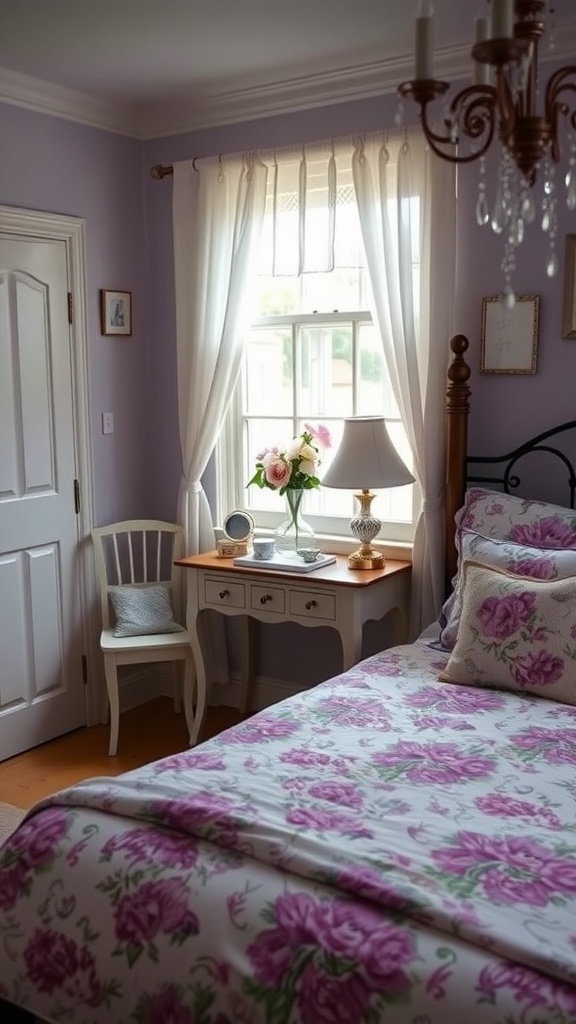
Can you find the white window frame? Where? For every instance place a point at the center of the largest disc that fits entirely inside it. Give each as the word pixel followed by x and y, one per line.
pixel 232 474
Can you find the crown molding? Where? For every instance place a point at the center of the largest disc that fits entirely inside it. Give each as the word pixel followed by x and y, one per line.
pixel 58 101
pixel 177 117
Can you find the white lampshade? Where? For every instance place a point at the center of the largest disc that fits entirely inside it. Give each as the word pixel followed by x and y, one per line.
pixel 366 457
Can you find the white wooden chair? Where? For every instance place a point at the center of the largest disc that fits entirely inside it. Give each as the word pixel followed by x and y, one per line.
pixel 131 556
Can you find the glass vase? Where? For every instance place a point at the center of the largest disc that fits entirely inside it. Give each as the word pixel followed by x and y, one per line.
pixel 294 534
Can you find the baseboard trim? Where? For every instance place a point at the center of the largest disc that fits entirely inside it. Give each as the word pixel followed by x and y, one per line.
pixel 264 691
pixel 139 685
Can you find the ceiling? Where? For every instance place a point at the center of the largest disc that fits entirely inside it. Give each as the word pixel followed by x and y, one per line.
pixel 155 67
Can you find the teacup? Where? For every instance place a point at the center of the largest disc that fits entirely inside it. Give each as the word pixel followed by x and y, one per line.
pixel 262 548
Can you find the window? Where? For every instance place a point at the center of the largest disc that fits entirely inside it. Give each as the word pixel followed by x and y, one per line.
pixel 312 353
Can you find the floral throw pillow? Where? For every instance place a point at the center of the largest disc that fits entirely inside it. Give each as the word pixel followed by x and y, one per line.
pixel 508 517
pixel 534 562
pixel 516 634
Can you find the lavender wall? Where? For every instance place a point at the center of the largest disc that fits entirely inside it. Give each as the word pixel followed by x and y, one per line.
pixel 57 166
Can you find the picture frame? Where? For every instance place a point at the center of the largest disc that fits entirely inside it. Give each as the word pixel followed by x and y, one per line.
pixel 510 336
pixel 115 312
pixel 569 308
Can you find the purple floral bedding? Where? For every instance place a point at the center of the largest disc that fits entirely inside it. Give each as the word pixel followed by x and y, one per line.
pixel 383 848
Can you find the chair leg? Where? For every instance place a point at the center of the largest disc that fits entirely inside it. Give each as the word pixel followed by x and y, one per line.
pixel 176 686
pixel 113 700
pixel 189 693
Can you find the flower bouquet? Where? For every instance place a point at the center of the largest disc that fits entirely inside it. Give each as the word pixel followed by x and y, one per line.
pixel 292 469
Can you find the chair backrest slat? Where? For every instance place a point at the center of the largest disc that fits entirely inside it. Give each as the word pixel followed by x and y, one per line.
pixel 158 554
pixel 117 558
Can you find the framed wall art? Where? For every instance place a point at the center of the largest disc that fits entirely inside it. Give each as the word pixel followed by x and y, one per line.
pixel 115 312
pixel 569 311
pixel 510 336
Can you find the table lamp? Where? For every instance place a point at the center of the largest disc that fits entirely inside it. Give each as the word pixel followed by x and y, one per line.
pixel 366 458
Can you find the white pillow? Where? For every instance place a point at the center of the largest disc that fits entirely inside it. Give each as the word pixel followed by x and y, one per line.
pixel 143 610
pixel 516 634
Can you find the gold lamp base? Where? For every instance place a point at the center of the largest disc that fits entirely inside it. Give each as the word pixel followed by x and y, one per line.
pixel 366 558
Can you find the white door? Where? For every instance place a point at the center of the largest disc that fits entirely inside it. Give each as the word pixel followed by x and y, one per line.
pixel 41 679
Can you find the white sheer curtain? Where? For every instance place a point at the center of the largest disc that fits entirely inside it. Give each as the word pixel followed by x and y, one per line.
pixel 217 209
pixel 390 176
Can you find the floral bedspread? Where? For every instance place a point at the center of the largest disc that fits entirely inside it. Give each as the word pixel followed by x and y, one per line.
pixel 383 848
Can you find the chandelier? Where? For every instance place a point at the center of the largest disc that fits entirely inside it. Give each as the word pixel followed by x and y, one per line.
pixel 506 102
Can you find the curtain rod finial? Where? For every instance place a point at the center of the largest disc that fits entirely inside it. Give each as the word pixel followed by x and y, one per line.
pixel 159 171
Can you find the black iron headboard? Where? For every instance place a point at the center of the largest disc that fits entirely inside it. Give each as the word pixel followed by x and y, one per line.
pixel 554 449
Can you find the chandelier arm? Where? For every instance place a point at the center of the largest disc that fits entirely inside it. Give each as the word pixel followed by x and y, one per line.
pixel 472 109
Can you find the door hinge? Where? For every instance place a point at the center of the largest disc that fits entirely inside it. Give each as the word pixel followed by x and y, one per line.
pixel 84 669
pixel 77 497
pixel 70 308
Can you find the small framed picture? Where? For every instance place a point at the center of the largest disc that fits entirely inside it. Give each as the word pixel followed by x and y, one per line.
pixel 569 313
pixel 116 312
pixel 510 336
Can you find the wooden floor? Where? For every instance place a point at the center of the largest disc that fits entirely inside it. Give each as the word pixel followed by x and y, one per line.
pixel 147 733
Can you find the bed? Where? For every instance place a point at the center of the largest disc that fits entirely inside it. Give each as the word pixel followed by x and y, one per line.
pixel 396 845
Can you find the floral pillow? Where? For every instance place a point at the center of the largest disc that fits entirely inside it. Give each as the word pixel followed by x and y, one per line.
pixel 516 634
pixel 508 517
pixel 533 562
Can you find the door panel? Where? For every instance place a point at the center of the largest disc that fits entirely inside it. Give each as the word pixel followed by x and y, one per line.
pixel 41 684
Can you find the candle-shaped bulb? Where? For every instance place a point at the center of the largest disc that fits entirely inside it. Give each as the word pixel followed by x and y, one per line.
pixel 424 62
pixel 501 19
pixel 481 71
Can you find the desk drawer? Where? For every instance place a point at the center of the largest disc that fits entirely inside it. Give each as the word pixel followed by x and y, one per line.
pixel 312 604
pixel 221 593
pixel 264 598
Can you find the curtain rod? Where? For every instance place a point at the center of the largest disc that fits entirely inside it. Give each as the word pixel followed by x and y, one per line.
pixel 159 171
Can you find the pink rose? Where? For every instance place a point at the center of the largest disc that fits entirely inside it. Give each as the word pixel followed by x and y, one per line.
pixel 549 532
pixel 277 471
pixel 160 906
pixel 328 1000
pixel 538 668
pixel 501 617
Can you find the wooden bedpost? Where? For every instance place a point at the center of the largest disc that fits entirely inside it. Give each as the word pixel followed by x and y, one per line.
pixel 457 410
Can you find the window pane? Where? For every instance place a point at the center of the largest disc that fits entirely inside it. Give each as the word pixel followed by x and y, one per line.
pixel 268 377
pixel 325 384
pixel 374 396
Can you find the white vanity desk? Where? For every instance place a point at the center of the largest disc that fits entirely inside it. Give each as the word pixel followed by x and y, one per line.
pixel 334 596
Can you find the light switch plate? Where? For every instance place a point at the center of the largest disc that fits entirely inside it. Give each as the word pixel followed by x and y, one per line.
pixel 107 423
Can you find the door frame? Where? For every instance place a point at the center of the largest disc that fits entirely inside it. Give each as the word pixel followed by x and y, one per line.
pixel 22 223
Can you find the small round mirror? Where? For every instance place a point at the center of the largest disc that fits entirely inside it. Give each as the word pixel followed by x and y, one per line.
pixel 238 525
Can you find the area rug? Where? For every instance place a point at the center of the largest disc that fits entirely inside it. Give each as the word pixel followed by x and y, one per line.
pixel 10 818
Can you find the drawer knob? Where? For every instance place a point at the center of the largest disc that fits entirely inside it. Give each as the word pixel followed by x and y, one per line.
pixel 310 604
pixel 265 598
pixel 223 594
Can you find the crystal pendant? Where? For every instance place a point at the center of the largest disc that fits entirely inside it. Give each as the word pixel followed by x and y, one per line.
pixel 571 189
pixel 552 264
pixel 482 212
pixel 294 534
pixel 507 297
